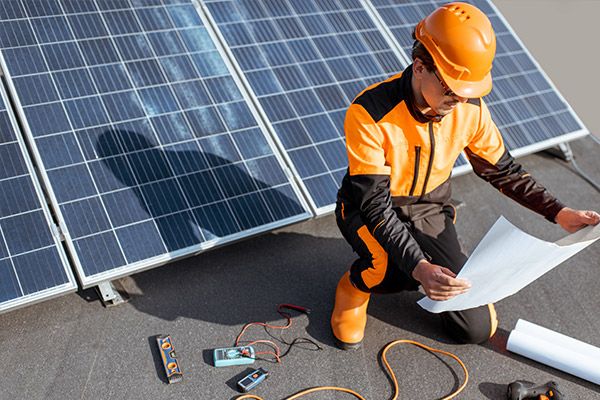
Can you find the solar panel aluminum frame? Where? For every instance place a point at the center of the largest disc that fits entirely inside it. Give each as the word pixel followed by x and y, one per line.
pixel 521 151
pixel 71 285
pixel 153 262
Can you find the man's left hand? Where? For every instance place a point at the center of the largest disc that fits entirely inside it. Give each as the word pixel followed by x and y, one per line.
pixel 573 220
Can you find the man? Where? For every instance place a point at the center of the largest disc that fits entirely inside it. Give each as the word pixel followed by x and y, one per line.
pixel 403 136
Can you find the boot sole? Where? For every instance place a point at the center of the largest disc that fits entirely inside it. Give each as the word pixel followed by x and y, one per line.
pixel 346 346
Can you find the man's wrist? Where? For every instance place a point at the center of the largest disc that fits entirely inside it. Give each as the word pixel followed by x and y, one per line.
pixel 416 270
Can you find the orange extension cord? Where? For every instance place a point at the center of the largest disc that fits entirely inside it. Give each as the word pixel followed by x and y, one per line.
pixel 389 371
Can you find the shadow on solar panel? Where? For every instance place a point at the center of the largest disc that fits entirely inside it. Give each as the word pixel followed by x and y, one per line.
pixel 184 191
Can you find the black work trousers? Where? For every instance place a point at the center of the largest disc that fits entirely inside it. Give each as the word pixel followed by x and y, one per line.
pixel 432 226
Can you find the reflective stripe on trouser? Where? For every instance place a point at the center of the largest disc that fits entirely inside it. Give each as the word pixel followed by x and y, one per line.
pixel 435 233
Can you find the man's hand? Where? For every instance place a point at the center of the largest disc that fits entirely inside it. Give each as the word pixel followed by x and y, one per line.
pixel 438 282
pixel 573 220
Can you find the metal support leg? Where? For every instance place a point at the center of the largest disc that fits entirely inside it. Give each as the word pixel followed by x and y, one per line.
pixel 109 295
pixel 562 151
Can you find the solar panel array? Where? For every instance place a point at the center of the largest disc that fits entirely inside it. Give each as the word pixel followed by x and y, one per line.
pixel 529 111
pixel 306 61
pixel 33 265
pixel 148 145
pixel 163 127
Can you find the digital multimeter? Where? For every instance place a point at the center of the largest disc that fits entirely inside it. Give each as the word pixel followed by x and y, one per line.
pixel 252 380
pixel 242 355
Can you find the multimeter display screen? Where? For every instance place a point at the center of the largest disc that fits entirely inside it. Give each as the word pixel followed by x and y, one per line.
pixel 246 382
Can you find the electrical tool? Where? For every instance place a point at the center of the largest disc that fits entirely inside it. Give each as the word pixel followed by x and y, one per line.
pixel 228 356
pixel 522 390
pixel 167 353
pixel 252 380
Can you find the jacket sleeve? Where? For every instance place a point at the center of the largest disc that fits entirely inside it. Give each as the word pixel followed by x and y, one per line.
pixel 369 176
pixel 492 162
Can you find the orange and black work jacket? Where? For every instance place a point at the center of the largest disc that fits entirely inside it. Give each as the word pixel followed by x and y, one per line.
pixel 397 157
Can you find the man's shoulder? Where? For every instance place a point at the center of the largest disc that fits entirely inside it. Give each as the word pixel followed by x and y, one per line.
pixel 381 97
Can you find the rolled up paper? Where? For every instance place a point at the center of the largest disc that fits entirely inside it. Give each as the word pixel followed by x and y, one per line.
pixel 555 350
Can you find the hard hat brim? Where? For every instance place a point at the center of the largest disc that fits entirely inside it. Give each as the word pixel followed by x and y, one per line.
pixel 468 89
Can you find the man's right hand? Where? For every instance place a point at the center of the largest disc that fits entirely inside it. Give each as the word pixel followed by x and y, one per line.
pixel 438 282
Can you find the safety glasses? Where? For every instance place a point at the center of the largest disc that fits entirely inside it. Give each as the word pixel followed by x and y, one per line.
pixel 447 91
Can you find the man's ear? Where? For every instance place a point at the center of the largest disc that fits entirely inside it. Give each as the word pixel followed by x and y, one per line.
pixel 418 67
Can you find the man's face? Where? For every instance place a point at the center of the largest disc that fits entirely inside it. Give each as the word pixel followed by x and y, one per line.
pixel 437 94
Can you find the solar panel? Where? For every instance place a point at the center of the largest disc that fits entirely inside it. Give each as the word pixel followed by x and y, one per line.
pixel 148 146
pixel 527 108
pixel 306 61
pixel 33 265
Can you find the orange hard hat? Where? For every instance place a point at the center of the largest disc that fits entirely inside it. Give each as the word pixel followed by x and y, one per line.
pixel 462 43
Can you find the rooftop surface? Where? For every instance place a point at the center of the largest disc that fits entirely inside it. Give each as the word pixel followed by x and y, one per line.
pixel 72 347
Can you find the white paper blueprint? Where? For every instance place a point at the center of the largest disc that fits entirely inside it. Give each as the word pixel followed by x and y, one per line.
pixel 508 259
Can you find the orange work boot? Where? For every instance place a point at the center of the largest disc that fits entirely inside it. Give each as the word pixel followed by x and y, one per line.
pixel 349 316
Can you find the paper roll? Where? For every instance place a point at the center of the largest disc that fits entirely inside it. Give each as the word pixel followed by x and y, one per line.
pixel 555 350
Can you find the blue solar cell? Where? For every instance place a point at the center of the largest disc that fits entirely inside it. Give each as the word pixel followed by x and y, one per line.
pixel 65 55
pixel 36 89
pixel 202 188
pixel 219 150
pixel 250 211
pixel 158 100
pixel 237 115
pixel 6 132
pixel 179 231
pixel 140 241
pixel 178 68
pixel 292 134
pixel 72 182
pixel 192 94
pixel 14 202
pixel 205 121
pixel 183 158
pixel 216 220
pixel 133 47
pixel 78 6
pixel 21 232
pixel 11 10
pixel 16 33
pixel 81 215
pixel 166 43
pixel 72 83
pixel 32 54
pixel 9 286
pixel 209 64
pixel 184 16
pixel 99 253
pixel 265 172
pixel 122 22
pixel 154 19
pixel 52 29
pixel 86 26
pixel 109 78
pixel 63 149
pixel 163 197
pixel 11 161
pixel 251 143
pixel 111 173
pixel 125 207
pixel 123 106
pixel 308 162
pixel 99 51
pixel 85 112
